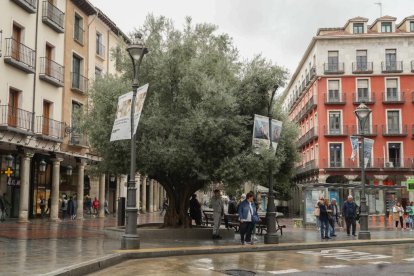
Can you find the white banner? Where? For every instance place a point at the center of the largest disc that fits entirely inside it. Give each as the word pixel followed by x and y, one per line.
pixel 354 147
pixel 122 124
pixel 368 145
pixel 261 137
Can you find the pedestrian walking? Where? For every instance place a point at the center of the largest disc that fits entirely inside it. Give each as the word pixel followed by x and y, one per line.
pixel 71 208
pixel 410 216
pixel 95 206
pixel 242 198
pixel 349 211
pixel 64 207
pixel 42 205
pixel 248 217
pixel 316 213
pixel 334 216
pixel 49 204
pixel 106 209
pixel 232 206
pixel 397 214
pixel 2 208
pixel 323 218
pixel 218 212
pixel 195 210
pixel 164 206
pixel 88 205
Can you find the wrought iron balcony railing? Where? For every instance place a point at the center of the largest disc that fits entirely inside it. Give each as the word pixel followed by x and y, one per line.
pixel 53 17
pixel 20 56
pixel 51 72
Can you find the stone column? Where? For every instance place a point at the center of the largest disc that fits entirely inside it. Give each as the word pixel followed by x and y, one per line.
pixel 144 194
pixel 161 196
pixel 102 196
pixel 54 209
pixel 151 196
pixel 81 177
pixel 138 191
pixel 117 194
pixel 24 187
pixel 155 196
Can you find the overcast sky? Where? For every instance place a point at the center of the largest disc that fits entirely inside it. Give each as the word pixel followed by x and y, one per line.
pixel 278 29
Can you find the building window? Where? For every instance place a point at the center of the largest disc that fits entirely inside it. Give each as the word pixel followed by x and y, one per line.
pixel 362 88
pixel 78 29
pixel 13 107
pixel 76 72
pixel 391 59
pixel 394 155
pixel 412 26
pixel 386 27
pixel 99 45
pixel 361 60
pixel 393 120
pixel 334 122
pixel 98 72
pixel 358 28
pixel 333 91
pixel 335 155
pixel 333 61
pixel 392 89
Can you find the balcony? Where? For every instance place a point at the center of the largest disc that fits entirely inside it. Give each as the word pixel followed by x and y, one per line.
pixel 362 67
pixel 333 68
pixel 53 17
pixel 78 139
pixel 50 129
pixel 336 132
pixel 399 98
pixel 394 163
pixel 79 83
pixel 335 99
pixel 78 34
pixel 308 137
pixel 392 67
pixel 51 72
pixel 312 73
pixel 309 106
pixel 20 56
pixel 15 119
pixel 372 131
pixel 395 131
pixel 28 5
pixel 100 50
pixel 308 166
pixel 366 100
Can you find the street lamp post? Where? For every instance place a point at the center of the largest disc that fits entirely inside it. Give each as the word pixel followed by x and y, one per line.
pixel 362 112
pixel 271 236
pixel 130 240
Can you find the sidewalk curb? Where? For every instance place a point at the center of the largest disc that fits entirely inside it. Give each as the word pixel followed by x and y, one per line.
pixel 123 255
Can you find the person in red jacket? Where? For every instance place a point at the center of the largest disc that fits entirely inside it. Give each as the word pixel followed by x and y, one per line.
pixel 95 206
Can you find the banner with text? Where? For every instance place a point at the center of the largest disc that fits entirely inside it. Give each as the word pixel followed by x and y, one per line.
pixel 122 124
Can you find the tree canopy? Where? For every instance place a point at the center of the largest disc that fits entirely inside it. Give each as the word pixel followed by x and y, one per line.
pixel 197 120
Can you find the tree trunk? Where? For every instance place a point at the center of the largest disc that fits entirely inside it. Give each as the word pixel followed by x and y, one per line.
pixel 179 201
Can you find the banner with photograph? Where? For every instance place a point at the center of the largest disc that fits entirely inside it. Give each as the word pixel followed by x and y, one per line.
pixel 261 137
pixel 354 147
pixel 368 144
pixel 122 124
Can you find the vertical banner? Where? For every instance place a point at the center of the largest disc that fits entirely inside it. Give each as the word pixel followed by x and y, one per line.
pixel 261 137
pixel 354 146
pixel 276 130
pixel 368 144
pixel 122 124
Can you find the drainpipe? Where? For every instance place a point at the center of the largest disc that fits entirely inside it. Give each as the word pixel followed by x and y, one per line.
pixel 35 64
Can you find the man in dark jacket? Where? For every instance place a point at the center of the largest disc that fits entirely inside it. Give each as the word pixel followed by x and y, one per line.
pixel 232 206
pixel 195 209
pixel 349 211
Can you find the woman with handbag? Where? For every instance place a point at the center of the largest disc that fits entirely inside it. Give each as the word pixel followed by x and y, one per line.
pixel 248 218
pixel 398 215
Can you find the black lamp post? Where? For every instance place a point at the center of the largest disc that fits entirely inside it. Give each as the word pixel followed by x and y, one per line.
pixel 271 236
pixel 9 160
pixel 362 112
pixel 69 170
pixel 42 166
pixel 130 240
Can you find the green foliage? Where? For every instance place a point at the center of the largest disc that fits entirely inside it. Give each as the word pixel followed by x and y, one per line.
pixel 196 125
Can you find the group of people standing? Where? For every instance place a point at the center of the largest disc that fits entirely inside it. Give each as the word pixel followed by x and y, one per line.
pixel 399 214
pixel 328 215
pixel 246 210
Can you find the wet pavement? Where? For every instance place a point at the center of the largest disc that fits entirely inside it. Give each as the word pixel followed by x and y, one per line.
pixel 336 261
pixel 41 246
